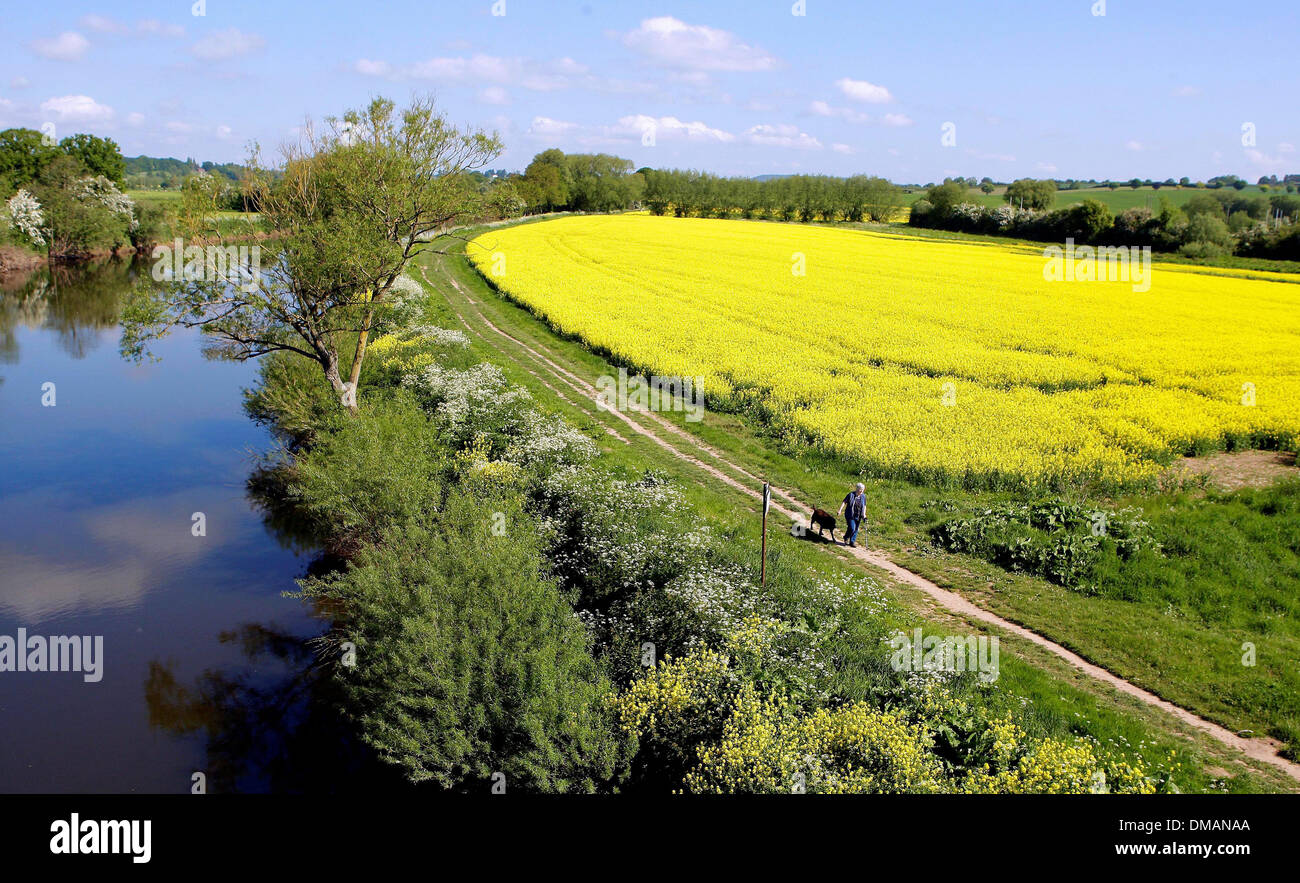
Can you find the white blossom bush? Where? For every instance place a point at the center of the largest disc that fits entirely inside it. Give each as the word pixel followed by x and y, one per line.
pixel 969 213
pixel 24 214
pixel 1004 216
pixel 481 392
pixel 546 441
pixel 447 337
pixel 406 299
pixel 103 191
pixel 610 537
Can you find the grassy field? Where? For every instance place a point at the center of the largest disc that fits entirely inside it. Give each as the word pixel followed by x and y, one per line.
pixel 1117 200
pixel 1175 622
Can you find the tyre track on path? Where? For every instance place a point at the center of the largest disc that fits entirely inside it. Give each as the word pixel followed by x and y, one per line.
pixel 1262 750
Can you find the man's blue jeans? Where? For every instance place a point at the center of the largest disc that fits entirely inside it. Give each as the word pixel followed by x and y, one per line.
pixel 851 532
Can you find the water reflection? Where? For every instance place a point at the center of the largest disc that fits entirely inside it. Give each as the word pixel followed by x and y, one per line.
pixel 68 302
pixel 206 665
pixel 283 735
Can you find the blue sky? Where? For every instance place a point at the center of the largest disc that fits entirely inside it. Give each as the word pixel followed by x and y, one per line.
pixel 1152 88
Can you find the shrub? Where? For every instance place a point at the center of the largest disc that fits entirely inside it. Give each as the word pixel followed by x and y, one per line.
pixel 468 663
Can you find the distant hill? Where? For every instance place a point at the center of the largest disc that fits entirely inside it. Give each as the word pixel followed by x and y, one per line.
pixel 769 177
pixel 168 173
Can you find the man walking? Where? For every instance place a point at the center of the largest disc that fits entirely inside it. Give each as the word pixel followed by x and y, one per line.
pixel 854 507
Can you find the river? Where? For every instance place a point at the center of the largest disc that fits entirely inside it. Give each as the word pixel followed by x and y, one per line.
pixel 205 675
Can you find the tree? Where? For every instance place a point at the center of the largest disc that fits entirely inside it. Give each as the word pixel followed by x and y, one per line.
pixel 547 181
pixel 1031 194
pixel 353 206
pixel 77 211
pixel 1089 219
pixel 24 153
pixel 601 182
pixel 100 156
pixel 946 195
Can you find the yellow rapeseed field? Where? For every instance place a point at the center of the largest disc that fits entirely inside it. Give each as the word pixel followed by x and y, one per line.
pixel 927 359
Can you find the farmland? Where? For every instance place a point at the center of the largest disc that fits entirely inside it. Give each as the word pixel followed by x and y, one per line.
pixel 1117 200
pixel 948 363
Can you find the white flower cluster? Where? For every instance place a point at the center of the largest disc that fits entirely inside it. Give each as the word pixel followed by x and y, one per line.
pixel 968 211
pixel 405 287
pixel 550 440
pixel 455 396
pixel 24 215
pixel 440 336
pixel 100 189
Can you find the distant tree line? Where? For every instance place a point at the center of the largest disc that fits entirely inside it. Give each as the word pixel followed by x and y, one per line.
pixel 168 173
pixel 1290 183
pixel 581 182
pixel 789 198
pixel 599 182
pixel 1211 224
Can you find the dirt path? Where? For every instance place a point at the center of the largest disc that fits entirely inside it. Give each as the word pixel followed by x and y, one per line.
pixel 1263 750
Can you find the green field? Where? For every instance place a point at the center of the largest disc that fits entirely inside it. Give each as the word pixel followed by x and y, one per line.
pixel 1117 200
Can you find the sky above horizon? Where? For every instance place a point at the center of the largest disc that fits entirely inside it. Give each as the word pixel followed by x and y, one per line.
pixel 913 91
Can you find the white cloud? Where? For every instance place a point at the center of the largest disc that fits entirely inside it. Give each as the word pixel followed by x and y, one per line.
pixel 176 126
pixel 76 108
pixel 1046 168
pixel 154 27
pixel 861 90
pixel 670 42
pixel 897 120
pixel 841 148
pixel 135 118
pixel 494 95
pixel 226 44
pixel 19 83
pixel 493 70
pixel 545 127
pixel 1186 92
pixel 670 127
pixel 223 132
pixel 103 24
pixel 68 46
pixel 148 27
pixel 823 109
pixel 1278 165
pixel 782 135
pixel 372 68
pixel 1284 147
pixel 1135 146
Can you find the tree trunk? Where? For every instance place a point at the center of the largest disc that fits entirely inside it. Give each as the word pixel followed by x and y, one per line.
pixel 358 357
pixel 347 392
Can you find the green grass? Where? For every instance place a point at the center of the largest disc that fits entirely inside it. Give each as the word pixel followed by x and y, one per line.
pixel 1057 697
pixel 1117 200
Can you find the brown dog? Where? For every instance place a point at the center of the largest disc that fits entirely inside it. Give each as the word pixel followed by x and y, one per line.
pixel 823 519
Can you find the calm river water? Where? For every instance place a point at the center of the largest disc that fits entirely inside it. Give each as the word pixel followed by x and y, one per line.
pixel 204 666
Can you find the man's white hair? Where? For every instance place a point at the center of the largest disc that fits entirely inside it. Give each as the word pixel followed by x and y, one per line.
pixel 860 486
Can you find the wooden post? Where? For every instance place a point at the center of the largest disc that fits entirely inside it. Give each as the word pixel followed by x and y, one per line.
pixel 767 503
